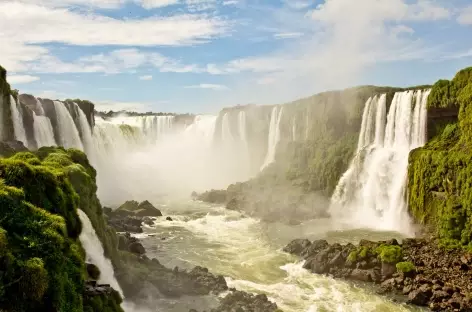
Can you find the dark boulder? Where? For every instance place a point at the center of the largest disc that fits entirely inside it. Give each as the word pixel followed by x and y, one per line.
pixel 136 248
pixel 420 296
pixel 147 209
pixel 93 271
pixel 169 219
pixel 296 246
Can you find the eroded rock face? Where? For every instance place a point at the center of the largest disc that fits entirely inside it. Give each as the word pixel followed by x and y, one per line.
pixel 418 269
pixel 8 148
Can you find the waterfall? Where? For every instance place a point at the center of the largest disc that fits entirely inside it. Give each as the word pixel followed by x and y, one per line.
pixel 43 132
pixel 95 253
pixel 86 132
pixel 274 136
pixel 68 133
pixel 17 118
pixel 242 131
pixel 371 192
pixel 226 135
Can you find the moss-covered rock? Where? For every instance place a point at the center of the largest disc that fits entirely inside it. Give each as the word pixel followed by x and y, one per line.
pixel 42 264
pixel 405 267
pixel 440 173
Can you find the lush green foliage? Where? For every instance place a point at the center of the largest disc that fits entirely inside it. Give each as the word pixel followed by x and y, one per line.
pixel 389 253
pixel 41 260
pixel 405 267
pixel 440 173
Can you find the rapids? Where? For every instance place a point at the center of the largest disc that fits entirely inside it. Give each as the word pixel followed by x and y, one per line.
pixel 248 253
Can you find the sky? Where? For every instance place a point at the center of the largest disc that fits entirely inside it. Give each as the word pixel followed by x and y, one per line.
pixel 198 56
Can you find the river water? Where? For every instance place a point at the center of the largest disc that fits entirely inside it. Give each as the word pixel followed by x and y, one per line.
pixel 248 253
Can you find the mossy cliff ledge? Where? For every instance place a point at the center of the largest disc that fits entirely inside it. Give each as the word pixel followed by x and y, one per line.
pixel 416 269
pixel 440 173
pixel 42 263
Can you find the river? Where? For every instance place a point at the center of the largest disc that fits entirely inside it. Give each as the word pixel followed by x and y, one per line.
pixel 248 253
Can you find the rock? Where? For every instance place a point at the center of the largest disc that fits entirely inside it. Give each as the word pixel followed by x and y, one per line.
pixel 314 247
pixel 233 204
pixel 128 207
pixel 388 269
pixel 361 275
pixel 421 295
pixel 8 148
pixel 297 246
pixel 239 301
pixel 147 209
pixel 439 295
pixel 136 248
pixel 93 271
pixel 169 219
pixel 93 289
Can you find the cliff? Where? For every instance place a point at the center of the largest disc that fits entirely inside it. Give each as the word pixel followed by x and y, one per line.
pixel 440 173
pixel 6 125
pixel 41 258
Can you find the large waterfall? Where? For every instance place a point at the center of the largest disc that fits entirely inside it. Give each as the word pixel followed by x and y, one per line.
pixel 95 253
pixel 68 134
pixel 274 135
pixel 371 192
pixel 43 131
pixel 17 118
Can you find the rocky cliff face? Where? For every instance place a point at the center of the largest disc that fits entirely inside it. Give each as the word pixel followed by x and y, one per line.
pixel 6 125
pixel 440 173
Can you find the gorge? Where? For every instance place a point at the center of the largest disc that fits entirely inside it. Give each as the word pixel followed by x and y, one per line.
pixel 365 163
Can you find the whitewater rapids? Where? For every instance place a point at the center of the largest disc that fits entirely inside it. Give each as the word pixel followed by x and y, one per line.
pixel 248 253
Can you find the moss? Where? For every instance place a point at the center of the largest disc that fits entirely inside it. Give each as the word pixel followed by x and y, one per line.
pixel 352 256
pixel 405 267
pixel 42 264
pixel 389 253
pixel 440 173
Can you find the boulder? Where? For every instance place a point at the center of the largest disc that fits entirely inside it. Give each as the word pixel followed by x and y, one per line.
pixel 420 296
pixel 147 209
pixel 136 248
pixel 169 219
pixel 361 275
pixel 93 271
pixel 297 246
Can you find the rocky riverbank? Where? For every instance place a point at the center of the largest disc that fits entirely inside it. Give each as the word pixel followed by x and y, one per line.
pixel 140 276
pixel 416 269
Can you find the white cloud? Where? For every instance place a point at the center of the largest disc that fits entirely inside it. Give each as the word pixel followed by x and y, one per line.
pixel 50 94
pixel 146 77
pixel 465 16
pixel 116 106
pixel 152 4
pixel 35 24
pixel 230 2
pixel 298 4
pixel 287 35
pixel 19 79
pixel 116 61
pixel 200 5
pixel 217 87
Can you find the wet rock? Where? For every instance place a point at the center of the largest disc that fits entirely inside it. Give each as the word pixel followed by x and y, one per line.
pixel 93 271
pixel 148 221
pixel 421 295
pixel 147 209
pixel 136 248
pixel 314 248
pixel 242 301
pixel 169 219
pixel 8 148
pixel 361 275
pixel 297 246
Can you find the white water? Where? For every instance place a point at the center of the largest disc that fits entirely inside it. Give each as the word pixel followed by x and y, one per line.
pixel 43 132
pixel 226 135
pixel 248 253
pixel 68 133
pixel 17 118
pixel 95 254
pixel 86 131
pixel 274 135
pixel 371 192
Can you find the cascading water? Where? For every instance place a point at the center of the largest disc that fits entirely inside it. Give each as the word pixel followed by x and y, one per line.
pixel 226 135
pixel 95 253
pixel 274 135
pixel 68 133
pixel 86 132
pixel 371 191
pixel 43 131
pixel 17 118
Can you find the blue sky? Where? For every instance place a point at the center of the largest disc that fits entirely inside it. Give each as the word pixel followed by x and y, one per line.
pixel 201 55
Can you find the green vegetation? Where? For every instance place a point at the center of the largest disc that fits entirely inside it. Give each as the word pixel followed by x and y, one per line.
pixel 41 259
pixel 360 253
pixel 440 173
pixel 389 253
pixel 405 267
